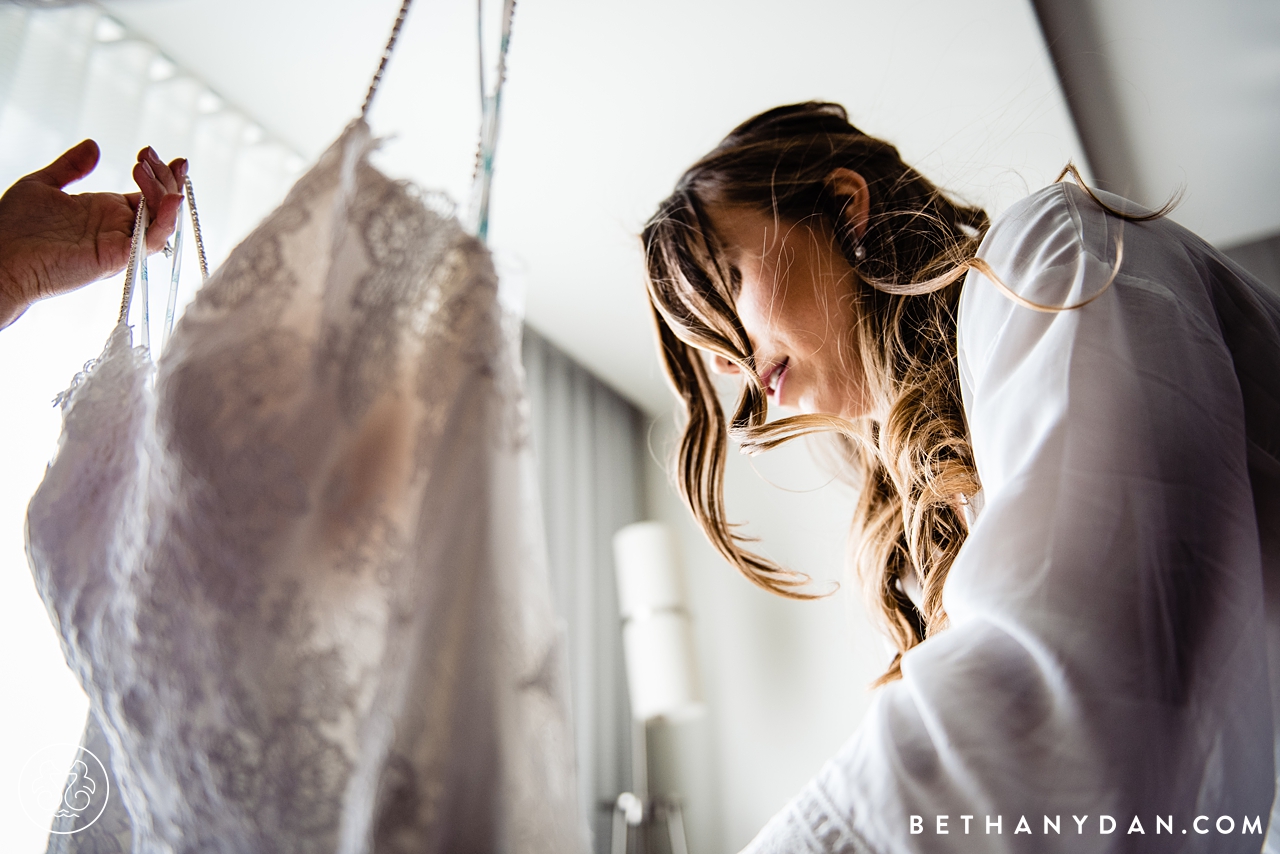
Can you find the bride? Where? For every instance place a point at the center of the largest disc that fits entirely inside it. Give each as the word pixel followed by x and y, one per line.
pixel 1065 425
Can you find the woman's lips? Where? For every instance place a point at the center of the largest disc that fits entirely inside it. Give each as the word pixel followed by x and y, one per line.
pixel 774 378
pixel 782 378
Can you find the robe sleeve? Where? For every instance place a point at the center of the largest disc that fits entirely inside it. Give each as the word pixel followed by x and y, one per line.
pixel 1104 655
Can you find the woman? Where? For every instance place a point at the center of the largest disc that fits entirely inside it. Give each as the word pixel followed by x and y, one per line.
pixel 1066 428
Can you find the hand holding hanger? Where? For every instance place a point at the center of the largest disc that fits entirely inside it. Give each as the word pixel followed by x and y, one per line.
pixel 52 242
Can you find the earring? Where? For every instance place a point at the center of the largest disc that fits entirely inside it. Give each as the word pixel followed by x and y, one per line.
pixel 859 251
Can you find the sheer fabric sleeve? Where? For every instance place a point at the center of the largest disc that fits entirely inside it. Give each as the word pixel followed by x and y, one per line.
pixel 1105 653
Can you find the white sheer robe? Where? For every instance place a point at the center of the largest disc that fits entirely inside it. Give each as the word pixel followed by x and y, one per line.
pixel 1107 653
pixel 298 568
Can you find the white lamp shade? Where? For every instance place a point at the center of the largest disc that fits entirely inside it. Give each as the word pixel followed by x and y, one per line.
pixel 657 634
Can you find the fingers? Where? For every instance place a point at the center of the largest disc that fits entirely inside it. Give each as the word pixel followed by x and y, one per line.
pixel 74 164
pixel 164 218
pixel 145 177
pixel 156 179
pixel 161 184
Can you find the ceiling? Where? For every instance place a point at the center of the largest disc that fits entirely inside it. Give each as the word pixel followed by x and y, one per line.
pixel 1178 95
pixel 607 102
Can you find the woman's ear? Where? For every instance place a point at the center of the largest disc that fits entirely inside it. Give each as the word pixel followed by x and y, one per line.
pixel 852 187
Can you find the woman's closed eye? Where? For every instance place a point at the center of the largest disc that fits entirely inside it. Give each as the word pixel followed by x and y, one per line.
pixel 720 365
pixel 735 281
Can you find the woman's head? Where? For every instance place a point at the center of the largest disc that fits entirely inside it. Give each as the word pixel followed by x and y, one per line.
pixel 806 257
pixel 792 292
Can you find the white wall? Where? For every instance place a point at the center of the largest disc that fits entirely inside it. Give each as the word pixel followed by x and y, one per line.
pixel 785 682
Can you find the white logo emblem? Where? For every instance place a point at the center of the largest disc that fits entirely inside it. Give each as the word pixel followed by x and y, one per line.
pixel 74 797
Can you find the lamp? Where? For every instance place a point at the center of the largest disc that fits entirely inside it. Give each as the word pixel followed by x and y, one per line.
pixel 662 672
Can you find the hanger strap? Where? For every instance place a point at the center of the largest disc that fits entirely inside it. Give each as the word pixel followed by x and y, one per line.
pixel 195 230
pixel 386 55
pixel 139 237
pixel 492 103
pixel 136 269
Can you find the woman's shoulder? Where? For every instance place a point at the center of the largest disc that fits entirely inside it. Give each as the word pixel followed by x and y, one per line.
pixel 1056 224
pixel 1052 226
pixel 1050 248
pixel 1054 248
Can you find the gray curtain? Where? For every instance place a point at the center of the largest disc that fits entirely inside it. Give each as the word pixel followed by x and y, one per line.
pixel 589 444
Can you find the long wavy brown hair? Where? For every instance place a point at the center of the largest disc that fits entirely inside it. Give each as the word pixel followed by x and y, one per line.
pixel 911 456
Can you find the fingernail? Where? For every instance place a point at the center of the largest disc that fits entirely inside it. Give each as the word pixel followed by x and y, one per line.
pixel 151 153
pixel 147 168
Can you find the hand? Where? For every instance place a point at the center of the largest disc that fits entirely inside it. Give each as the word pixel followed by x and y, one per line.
pixel 52 242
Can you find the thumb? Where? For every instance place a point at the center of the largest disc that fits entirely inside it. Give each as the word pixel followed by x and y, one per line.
pixel 74 164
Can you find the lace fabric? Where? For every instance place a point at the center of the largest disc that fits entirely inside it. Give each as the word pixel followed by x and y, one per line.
pixel 297 568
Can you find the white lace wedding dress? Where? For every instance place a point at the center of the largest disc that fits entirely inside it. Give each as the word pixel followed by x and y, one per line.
pixel 298 567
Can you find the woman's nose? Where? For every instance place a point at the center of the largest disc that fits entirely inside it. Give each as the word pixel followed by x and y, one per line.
pixel 721 365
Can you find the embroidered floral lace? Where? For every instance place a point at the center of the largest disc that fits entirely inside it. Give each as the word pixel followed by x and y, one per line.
pixel 297 567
